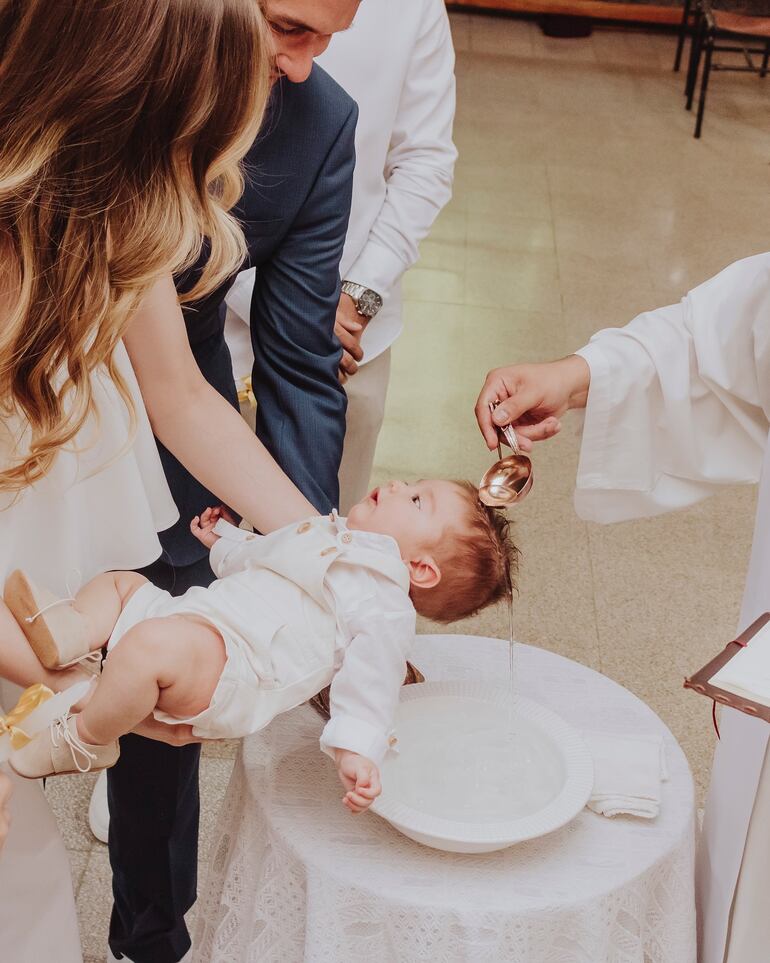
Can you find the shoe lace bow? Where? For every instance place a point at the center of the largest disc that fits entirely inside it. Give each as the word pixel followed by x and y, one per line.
pixel 62 733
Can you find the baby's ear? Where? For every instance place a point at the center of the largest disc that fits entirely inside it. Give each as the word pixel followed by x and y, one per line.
pixel 424 572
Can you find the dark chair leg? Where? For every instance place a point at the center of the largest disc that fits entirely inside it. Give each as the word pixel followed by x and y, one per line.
pixel 709 44
pixel 696 46
pixel 765 60
pixel 683 28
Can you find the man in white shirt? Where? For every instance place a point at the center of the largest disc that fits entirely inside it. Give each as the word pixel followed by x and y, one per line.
pixel 403 177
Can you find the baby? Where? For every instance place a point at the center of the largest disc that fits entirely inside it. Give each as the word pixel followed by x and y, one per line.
pixel 324 600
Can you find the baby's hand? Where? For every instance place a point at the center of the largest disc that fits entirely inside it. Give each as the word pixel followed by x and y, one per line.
pixel 360 777
pixel 202 526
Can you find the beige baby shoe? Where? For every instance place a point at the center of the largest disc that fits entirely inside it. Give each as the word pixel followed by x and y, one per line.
pixel 56 632
pixel 59 750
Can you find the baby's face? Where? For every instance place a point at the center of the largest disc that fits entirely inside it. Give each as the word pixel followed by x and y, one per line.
pixel 415 515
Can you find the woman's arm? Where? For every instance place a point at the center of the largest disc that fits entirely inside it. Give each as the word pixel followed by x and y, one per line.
pixel 198 426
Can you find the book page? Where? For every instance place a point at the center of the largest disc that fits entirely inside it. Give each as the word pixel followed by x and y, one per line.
pixel 747 674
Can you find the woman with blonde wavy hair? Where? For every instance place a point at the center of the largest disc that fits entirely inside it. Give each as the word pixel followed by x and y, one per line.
pixel 122 124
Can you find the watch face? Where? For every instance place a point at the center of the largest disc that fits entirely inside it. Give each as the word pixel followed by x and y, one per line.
pixel 369 303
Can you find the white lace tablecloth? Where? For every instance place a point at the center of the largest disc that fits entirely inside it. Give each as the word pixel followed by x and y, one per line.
pixel 296 879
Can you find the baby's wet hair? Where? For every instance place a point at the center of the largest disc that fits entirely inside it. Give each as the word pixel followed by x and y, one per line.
pixel 479 563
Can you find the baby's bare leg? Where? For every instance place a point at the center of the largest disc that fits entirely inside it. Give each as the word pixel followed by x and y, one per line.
pixel 101 601
pixel 174 663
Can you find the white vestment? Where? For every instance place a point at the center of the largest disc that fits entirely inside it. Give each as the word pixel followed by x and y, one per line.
pixel 679 405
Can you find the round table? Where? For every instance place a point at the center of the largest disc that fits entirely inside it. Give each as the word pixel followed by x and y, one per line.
pixel 294 878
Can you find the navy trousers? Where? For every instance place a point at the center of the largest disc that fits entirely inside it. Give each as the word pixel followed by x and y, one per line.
pixel 154 814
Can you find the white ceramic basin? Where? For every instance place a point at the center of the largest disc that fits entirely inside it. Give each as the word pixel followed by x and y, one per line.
pixel 471 776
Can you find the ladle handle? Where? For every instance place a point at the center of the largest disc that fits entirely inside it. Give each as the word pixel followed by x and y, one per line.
pixel 510 437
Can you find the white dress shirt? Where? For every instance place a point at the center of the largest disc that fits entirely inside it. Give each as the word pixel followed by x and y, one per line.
pixel 397 63
pixel 679 405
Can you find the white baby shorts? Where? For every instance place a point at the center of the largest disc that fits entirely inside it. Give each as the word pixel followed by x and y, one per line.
pixel 274 663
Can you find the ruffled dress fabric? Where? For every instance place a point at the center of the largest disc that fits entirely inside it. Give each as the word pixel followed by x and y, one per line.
pixel 101 505
pixel 99 508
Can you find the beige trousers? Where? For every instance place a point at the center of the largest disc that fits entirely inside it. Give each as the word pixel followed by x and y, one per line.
pixel 366 392
pixel 749 936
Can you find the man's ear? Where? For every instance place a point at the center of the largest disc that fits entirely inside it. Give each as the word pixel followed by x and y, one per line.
pixel 424 572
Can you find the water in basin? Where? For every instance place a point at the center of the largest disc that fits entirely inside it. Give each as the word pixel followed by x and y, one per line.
pixel 460 759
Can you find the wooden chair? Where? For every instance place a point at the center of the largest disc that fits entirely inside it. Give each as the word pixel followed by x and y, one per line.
pixel 744 31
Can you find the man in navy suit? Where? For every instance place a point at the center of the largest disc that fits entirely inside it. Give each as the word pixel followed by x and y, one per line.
pixel 294 213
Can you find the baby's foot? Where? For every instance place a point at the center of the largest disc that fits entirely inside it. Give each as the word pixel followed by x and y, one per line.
pixel 59 750
pixel 57 633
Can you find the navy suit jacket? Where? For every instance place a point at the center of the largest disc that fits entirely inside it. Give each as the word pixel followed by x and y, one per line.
pixel 294 213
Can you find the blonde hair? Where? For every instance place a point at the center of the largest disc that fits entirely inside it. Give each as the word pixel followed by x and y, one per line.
pixel 479 563
pixel 122 125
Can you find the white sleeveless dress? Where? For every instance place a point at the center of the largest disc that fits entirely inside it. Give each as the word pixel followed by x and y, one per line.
pixel 99 508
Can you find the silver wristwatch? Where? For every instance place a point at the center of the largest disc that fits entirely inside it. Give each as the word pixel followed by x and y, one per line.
pixel 367 302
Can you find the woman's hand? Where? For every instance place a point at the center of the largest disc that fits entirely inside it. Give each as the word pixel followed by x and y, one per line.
pixel 532 397
pixel 5 816
pixel 202 526
pixel 360 777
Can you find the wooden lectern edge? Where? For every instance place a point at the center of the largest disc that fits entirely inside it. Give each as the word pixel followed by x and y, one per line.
pixel 700 681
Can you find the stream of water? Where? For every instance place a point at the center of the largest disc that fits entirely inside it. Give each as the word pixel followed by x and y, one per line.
pixel 511 671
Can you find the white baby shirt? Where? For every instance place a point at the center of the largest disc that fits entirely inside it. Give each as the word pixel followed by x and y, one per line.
pixel 366 591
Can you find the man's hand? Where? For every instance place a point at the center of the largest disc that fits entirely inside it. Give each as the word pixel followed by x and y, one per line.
pixel 360 777
pixel 349 326
pixel 202 526
pixel 5 816
pixel 532 397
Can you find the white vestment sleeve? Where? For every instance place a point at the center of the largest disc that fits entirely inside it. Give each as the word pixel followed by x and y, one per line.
pixel 679 401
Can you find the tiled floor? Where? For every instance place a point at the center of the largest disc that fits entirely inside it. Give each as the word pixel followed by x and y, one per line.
pixel 581 199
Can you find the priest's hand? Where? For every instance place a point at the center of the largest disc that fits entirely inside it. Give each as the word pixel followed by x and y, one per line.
pixel 532 397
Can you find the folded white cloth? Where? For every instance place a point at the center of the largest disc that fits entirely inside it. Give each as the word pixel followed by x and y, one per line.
pixel 627 774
